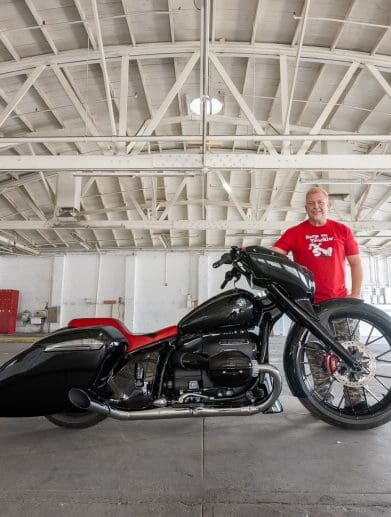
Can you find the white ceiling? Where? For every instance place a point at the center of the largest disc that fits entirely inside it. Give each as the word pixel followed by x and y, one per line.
pixel 99 151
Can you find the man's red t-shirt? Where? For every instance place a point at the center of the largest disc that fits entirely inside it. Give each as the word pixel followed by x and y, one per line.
pixel 323 249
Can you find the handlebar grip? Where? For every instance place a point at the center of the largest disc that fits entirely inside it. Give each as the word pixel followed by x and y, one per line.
pixel 224 259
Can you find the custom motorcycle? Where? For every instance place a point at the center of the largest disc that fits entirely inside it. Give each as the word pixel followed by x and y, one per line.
pixel 215 361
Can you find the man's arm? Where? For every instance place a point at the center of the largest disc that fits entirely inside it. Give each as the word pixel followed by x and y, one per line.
pixel 356 274
pixel 279 250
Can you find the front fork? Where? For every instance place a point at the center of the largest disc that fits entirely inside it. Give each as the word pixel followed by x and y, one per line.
pixel 310 320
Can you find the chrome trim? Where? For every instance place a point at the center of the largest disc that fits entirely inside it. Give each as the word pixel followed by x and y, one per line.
pixel 82 400
pixel 66 347
pixel 182 398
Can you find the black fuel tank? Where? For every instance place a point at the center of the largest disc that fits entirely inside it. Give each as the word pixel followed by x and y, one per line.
pixel 230 310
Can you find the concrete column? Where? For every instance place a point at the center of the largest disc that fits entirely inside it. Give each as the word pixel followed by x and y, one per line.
pixel 130 291
pixel 57 289
pixel 203 278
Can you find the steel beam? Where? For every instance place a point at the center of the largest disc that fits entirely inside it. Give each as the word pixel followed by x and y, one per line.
pixel 20 93
pixel 183 49
pixel 240 100
pixel 330 105
pixel 333 136
pixel 235 225
pixel 106 79
pixel 156 118
pixel 13 243
pixel 190 161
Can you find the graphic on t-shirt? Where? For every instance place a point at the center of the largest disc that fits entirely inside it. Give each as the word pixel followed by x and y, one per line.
pixel 318 244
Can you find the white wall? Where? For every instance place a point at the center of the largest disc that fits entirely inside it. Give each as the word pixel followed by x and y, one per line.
pixel 151 289
pixel 163 284
pixel 88 281
pixel 32 277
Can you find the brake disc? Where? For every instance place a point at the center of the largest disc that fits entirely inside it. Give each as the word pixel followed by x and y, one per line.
pixel 350 377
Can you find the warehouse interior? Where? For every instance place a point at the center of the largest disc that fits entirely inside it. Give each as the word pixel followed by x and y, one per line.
pixel 140 140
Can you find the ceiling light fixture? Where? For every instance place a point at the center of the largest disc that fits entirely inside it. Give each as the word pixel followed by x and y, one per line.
pixel 212 105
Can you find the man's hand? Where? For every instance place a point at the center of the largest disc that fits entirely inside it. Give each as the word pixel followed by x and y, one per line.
pixel 356 274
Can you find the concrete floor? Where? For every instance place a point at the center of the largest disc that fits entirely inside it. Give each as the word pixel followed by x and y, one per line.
pixel 264 465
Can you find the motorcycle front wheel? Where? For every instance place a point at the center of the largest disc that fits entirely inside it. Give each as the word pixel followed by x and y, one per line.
pixel 77 419
pixel 326 386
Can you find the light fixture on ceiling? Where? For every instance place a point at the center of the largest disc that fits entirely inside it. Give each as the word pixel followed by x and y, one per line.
pixel 212 105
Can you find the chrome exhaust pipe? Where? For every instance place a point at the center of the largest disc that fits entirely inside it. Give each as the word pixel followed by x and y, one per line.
pixel 82 400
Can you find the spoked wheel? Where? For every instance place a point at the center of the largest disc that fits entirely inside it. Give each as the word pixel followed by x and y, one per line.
pixel 351 398
pixel 76 419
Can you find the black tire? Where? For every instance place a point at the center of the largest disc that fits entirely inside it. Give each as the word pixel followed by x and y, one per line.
pixel 369 337
pixel 75 419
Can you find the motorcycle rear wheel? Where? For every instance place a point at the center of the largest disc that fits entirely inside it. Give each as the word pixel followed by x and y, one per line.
pixel 75 419
pixel 369 335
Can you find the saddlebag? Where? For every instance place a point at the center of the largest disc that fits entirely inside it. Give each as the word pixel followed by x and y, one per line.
pixel 37 381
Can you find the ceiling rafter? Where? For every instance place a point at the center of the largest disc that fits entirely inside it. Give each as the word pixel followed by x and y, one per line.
pixel 41 24
pixel 128 211
pixel 182 202
pixel 161 178
pixel 33 208
pixel 90 125
pixel 103 202
pixel 341 27
pixel 178 224
pixel 38 210
pixel 381 39
pixel 14 244
pixel 384 198
pixel 296 68
pixel 173 200
pixel 284 103
pixel 245 89
pixel 232 195
pixel 242 103
pixel 106 79
pixel 18 96
pixel 25 120
pixel 8 45
pixel 86 25
pixel 330 105
pixel 188 162
pixel 257 17
pixel 54 112
pixel 158 115
pixel 182 49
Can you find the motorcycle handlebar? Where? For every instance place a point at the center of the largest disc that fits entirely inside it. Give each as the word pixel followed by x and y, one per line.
pixel 229 258
pixel 228 277
pixel 224 259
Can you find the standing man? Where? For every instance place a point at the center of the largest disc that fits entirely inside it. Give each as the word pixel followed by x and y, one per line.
pixel 324 246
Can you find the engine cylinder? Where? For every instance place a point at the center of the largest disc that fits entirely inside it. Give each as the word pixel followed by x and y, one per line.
pixel 230 369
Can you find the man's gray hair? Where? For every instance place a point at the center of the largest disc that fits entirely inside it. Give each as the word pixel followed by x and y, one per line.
pixel 316 190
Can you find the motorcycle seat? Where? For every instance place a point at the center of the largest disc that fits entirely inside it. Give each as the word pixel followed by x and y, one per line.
pixel 134 340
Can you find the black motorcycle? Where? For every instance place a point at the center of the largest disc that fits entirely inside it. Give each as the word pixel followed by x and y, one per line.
pixel 215 362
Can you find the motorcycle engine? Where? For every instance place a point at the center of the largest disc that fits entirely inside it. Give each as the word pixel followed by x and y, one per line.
pixel 214 366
